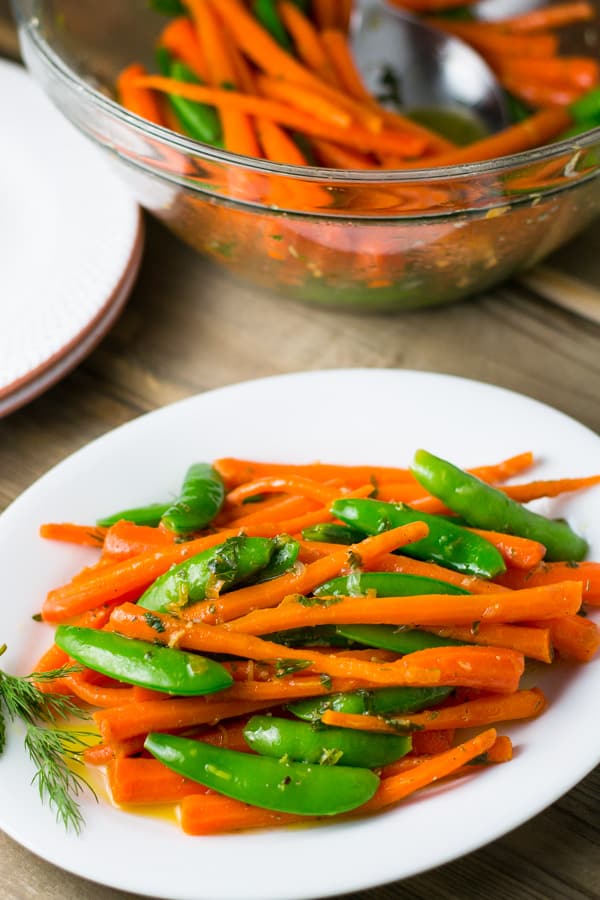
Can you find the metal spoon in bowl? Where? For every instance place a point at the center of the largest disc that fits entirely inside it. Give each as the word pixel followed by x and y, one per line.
pixel 404 61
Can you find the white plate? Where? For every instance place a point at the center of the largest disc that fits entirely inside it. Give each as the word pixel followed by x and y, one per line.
pixel 70 237
pixel 375 416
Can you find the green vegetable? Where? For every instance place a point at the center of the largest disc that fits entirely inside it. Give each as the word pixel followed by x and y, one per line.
pixel 284 558
pixel 446 544
pixel 142 515
pixel 200 500
pixel 310 636
pixel 266 13
pixel 330 533
pixel 198 120
pixel 142 663
pixel 168 7
pixel 381 701
pixel 483 506
pixel 223 566
pixel 271 736
pixel 290 787
pixel 587 108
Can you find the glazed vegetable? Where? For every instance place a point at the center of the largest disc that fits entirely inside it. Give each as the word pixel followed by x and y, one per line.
pixel 375 702
pixel 276 737
pixel 199 502
pixel 309 790
pixel 225 565
pixel 330 533
pixel 485 507
pixel 141 515
pixel 141 663
pixel 446 544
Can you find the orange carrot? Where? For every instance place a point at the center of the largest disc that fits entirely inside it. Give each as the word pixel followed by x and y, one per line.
pixel 487 39
pixel 304 99
pixel 546 17
pixel 586 573
pixel 485 711
pixel 392 563
pixel 85 535
pixel 336 157
pixel 547 602
pixel 104 753
pixel 203 814
pixel 577 72
pixel 501 751
pixel 237 471
pixel 148 781
pixel 307 40
pixel 238 603
pixel 113 582
pixel 431 742
pixel 325 13
pixel 535 643
pixel 180 38
pixel 277 510
pixel 573 637
pixel 517 552
pixel 539 94
pixel 534 490
pixel 124 540
pixel 303 487
pixel 405 144
pixel 136 98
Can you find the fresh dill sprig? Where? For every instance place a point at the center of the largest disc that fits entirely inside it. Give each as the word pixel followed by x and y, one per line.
pixel 50 749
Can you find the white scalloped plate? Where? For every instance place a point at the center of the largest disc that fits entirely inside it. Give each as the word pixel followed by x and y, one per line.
pixel 375 416
pixel 70 236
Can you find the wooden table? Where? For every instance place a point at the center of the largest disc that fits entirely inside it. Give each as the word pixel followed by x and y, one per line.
pixel 182 306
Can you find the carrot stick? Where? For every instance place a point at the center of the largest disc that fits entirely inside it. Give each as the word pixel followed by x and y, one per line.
pixel 148 781
pixel 112 582
pixel 204 814
pixel 279 510
pixel 546 17
pixel 99 696
pixel 539 94
pixel 85 535
pixel 548 602
pixel 238 603
pixel 102 754
pixel 303 487
pixel 573 637
pixel 485 711
pixel 517 552
pixel 307 41
pixel 577 72
pixel 336 157
pixel 534 490
pixel 508 468
pixel 431 742
pixel 392 563
pixel 404 144
pixel 180 39
pixel 487 39
pixel 237 471
pixel 585 573
pixel 501 751
pixel 304 99
pixel 136 98
pixel 535 643
pixel 325 13
pixel 124 540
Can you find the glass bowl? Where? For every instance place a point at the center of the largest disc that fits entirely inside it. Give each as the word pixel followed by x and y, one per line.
pixel 367 240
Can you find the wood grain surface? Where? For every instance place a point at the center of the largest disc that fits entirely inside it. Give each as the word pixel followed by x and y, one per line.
pixel 188 329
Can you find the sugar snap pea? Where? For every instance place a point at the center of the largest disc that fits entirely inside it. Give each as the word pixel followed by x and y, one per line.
pixel 330 533
pixel 380 701
pixel 142 663
pixel 200 500
pixel 483 506
pixel 446 544
pixel 292 787
pixel 140 515
pixel 301 741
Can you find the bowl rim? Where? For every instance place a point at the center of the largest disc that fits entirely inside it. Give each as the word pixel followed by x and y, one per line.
pixel 28 25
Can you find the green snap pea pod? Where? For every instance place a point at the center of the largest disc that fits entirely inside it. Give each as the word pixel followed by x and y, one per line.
pixel 198 120
pixel 301 741
pixel 227 564
pixel 389 584
pixel 380 701
pixel 587 107
pixel 310 636
pixel 330 533
pixel 266 13
pixel 200 500
pixel 142 663
pixel 292 787
pixel 284 558
pixel 141 515
pixel 446 544
pixel 485 507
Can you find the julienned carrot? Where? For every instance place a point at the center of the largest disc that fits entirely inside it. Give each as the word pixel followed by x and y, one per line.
pixel 493 669
pixel 307 41
pixel 180 38
pixel 574 71
pixel 586 573
pixel 535 131
pixel 104 753
pixel 204 814
pixel 85 535
pixel 404 144
pixel 125 539
pixel 518 552
pixel 548 602
pixel 113 582
pixel 237 471
pixel 538 94
pixel 535 643
pixel 487 39
pixel 277 511
pixel 334 156
pixel 133 781
pixel 500 752
pixel 136 98
pixel 392 563
pixel 303 487
pixel 240 602
pixel 486 711
pixel 304 99
pixel 508 468
pixel 546 17
pixel 325 13
pixel 534 490
pixel 431 742
pixel 573 637
pixel 96 695
pixel 55 658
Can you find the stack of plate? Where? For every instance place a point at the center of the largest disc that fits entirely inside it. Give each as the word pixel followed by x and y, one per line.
pixel 70 243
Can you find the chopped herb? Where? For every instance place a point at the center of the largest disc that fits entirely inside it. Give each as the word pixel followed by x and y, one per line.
pixel 475 627
pixel 330 756
pixel 255 498
pixel 37 617
pixel 326 681
pixel 318 601
pixel 571 564
pixel 285 667
pixel 154 622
